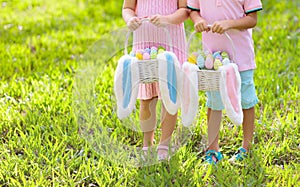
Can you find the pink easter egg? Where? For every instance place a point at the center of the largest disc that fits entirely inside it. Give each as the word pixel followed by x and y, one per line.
pixel 209 61
pixel 146 56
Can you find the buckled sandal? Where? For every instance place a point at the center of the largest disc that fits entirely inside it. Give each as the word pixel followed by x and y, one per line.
pixel 213 157
pixel 163 152
pixel 239 156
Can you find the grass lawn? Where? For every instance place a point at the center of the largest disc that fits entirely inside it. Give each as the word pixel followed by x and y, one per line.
pixel 57 111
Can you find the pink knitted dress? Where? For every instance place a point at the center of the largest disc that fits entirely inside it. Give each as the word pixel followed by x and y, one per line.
pixel 149 35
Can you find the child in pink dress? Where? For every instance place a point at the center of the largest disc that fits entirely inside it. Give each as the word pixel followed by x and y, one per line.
pixel 236 18
pixel 161 13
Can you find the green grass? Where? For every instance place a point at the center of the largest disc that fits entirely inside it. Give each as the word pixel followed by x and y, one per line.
pixel 44 45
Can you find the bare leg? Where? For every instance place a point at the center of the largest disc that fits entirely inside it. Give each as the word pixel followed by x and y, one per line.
pixel 214 121
pixel 208 114
pixel 167 126
pixel 148 120
pixel 248 127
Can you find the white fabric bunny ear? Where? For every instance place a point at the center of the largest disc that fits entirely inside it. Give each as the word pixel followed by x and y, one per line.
pixel 169 73
pixel 126 81
pixel 189 101
pixel 230 90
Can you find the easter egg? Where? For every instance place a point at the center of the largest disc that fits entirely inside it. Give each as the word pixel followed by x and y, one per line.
pixel 161 47
pixel 217 53
pixel 153 54
pixel 160 51
pixel 224 55
pixel 192 59
pixel 147 50
pixel 200 61
pixel 219 57
pixel 209 61
pixel 146 56
pixel 153 48
pixel 217 63
pixel 139 55
pixel 225 61
pixel 153 51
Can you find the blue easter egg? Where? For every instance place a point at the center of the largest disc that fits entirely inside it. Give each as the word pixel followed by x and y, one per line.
pixel 147 50
pixel 217 53
pixel 200 61
pixel 219 57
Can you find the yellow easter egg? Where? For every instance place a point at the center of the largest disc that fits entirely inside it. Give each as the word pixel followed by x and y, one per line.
pixel 192 59
pixel 139 56
pixel 217 63
pixel 160 51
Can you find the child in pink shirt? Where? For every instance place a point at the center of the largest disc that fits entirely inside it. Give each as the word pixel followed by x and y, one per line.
pixel 236 18
pixel 170 14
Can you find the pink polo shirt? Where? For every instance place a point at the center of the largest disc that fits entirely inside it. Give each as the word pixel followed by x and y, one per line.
pixel 217 10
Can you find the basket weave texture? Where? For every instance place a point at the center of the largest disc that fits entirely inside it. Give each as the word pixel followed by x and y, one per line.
pixel 148 70
pixel 209 80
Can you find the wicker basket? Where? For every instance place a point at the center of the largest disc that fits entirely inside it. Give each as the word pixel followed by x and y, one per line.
pixel 148 69
pixel 209 80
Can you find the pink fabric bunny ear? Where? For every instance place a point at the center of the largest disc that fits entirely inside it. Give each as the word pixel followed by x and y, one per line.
pixel 126 81
pixel 230 90
pixel 189 101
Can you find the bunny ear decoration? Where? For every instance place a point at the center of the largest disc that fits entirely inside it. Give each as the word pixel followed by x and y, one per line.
pixel 189 101
pixel 126 82
pixel 230 89
pixel 169 74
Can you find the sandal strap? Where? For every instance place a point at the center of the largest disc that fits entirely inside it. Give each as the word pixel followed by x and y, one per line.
pixel 242 150
pixel 242 153
pixel 163 147
pixel 212 153
pixel 163 156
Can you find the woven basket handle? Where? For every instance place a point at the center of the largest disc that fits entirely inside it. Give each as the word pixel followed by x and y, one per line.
pixel 147 20
pixel 225 33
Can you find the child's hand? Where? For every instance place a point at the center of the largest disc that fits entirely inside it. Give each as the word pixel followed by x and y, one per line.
pixel 134 23
pixel 220 26
pixel 201 26
pixel 159 20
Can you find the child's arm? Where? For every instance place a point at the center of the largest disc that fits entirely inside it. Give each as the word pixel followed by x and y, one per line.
pixel 249 21
pixel 179 16
pixel 200 24
pixel 129 15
